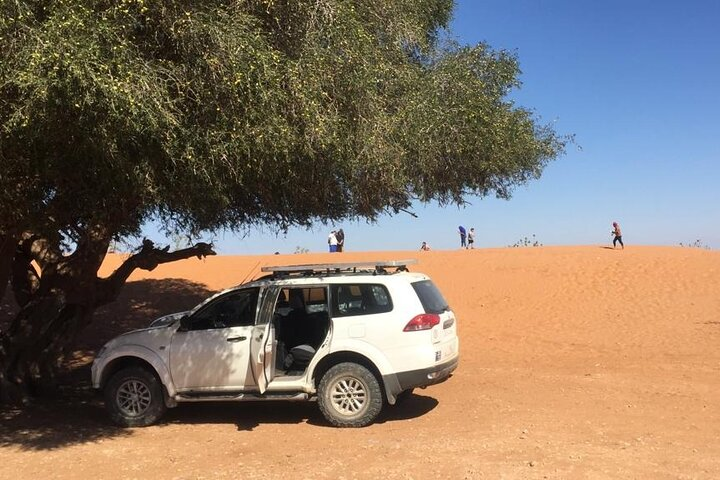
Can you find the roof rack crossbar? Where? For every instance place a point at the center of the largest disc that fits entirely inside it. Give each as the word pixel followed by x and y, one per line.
pixel 329 268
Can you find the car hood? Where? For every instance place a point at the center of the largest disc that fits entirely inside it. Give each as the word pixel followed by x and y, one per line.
pixel 157 334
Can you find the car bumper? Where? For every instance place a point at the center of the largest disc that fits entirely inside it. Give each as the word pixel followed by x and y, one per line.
pixel 427 376
pixel 399 382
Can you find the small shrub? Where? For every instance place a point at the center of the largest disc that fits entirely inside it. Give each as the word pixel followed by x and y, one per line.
pixel 527 242
pixel 696 244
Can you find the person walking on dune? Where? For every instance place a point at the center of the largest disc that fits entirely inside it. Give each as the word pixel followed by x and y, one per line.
pixel 617 236
pixel 471 238
pixel 463 235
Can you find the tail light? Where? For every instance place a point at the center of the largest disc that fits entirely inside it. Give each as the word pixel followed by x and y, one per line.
pixel 424 321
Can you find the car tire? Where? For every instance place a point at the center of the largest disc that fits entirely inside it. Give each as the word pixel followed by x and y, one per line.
pixel 349 395
pixel 134 397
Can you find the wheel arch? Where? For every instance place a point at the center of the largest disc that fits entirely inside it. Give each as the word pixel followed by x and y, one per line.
pixel 140 357
pixel 126 361
pixel 329 361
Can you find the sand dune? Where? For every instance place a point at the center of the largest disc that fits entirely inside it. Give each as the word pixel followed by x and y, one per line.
pixel 576 362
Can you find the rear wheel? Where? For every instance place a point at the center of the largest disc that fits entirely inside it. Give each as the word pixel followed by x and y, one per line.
pixel 349 395
pixel 134 397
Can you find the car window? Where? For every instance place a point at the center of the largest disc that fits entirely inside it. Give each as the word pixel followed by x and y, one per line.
pixel 307 299
pixel 360 299
pixel 430 297
pixel 316 300
pixel 236 309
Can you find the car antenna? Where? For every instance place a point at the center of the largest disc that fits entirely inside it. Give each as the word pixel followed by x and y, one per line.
pixel 250 272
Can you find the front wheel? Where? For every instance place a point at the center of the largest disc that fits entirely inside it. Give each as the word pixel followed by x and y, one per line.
pixel 134 398
pixel 349 395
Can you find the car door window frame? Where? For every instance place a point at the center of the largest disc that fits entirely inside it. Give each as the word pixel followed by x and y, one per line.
pixel 195 316
pixel 266 304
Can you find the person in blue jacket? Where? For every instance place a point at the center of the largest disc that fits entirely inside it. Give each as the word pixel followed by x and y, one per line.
pixel 463 236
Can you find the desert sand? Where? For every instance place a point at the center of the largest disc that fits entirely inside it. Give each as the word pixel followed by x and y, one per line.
pixel 576 362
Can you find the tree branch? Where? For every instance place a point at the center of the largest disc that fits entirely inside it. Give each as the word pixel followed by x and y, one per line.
pixel 412 214
pixel 92 246
pixel 148 258
pixel 40 249
pixel 25 279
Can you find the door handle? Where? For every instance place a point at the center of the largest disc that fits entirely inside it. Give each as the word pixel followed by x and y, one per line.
pixel 236 339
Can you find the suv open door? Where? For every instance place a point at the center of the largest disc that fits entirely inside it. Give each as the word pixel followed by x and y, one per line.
pixel 262 343
pixel 262 355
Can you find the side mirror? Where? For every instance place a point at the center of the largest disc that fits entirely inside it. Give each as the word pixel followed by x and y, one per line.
pixel 185 323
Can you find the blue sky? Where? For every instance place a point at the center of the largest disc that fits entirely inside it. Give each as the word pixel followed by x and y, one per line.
pixel 638 84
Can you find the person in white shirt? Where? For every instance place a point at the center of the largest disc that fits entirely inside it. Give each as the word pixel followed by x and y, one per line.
pixel 332 242
pixel 471 238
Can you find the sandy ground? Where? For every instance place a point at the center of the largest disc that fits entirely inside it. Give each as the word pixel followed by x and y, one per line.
pixel 576 362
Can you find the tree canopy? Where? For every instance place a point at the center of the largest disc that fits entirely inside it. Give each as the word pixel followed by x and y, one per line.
pixel 215 113
pixel 219 114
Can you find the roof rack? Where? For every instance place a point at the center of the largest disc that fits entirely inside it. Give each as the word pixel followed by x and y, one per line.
pixel 336 268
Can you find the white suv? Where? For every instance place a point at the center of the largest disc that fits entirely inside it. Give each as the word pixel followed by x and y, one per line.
pixel 352 335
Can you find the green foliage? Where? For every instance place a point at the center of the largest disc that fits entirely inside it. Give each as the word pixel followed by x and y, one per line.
pixel 527 242
pixel 225 114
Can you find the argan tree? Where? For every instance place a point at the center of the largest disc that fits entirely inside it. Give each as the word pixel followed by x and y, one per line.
pixel 219 114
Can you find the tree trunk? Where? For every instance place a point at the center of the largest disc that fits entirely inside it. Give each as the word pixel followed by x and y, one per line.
pixel 8 243
pixel 22 342
pixel 56 311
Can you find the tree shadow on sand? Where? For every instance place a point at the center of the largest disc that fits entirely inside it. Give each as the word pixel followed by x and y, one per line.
pixel 74 414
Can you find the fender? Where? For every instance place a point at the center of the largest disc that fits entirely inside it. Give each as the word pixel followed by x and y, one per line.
pixel 378 358
pixel 358 345
pixel 135 351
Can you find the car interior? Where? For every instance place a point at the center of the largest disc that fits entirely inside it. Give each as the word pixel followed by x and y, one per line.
pixel 301 324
